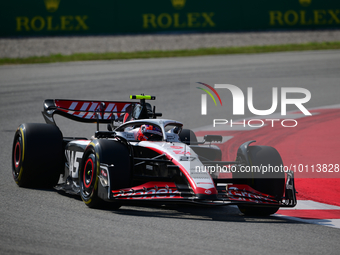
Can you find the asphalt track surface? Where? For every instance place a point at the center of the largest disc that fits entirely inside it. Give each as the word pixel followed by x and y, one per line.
pixel 46 222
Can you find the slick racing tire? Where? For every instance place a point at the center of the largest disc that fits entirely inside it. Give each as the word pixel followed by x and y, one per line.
pixel 187 135
pixel 270 183
pixel 109 153
pixel 37 155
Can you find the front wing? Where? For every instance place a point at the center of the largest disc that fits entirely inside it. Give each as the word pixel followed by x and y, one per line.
pixel 228 194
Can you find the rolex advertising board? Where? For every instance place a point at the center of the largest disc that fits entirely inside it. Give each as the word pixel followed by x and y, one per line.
pixel 84 17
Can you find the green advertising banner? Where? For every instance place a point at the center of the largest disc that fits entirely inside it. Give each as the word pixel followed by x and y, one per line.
pixel 85 17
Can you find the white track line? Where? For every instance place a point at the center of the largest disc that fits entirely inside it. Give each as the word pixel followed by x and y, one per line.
pixel 334 223
pixel 312 205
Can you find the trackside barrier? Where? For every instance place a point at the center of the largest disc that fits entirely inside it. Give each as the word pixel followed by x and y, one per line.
pixel 88 17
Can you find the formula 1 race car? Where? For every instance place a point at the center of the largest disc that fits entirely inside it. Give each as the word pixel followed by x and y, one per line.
pixel 142 159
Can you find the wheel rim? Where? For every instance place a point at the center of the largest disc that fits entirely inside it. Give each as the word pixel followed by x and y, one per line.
pixel 17 157
pixel 17 154
pixel 88 176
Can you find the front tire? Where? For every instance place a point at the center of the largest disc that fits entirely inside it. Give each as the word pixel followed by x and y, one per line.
pixel 271 183
pixel 107 152
pixel 88 180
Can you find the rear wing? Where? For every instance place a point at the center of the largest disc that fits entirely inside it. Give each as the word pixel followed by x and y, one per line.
pixel 85 110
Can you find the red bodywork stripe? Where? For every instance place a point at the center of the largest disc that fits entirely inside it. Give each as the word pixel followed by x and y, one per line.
pixel 148 185
pixel 149 190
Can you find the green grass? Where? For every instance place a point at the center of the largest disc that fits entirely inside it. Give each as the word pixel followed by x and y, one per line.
pixel 171 53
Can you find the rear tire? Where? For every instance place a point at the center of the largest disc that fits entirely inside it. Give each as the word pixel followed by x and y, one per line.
pixel 37 155
pixel 268 183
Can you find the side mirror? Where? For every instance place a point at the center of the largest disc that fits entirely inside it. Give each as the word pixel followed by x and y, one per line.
pixel 212 138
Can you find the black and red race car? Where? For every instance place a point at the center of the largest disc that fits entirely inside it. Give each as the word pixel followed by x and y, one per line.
pixel 143 159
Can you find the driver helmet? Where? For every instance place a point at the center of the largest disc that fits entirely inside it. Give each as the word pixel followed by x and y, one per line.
pixel 149 132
